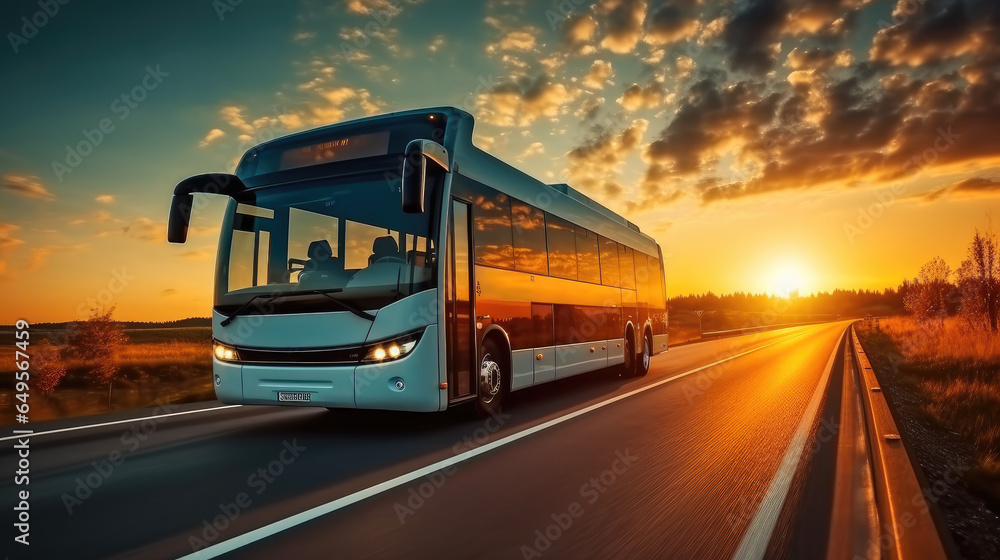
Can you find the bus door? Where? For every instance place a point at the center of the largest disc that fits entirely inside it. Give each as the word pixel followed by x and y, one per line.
pixel 459 304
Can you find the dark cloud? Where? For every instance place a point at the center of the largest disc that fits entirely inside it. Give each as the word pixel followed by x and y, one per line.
pixel 888 132
pixel 670 23
pixel 938 30
pixel 712 118
pixel 621 21
pixel 751 35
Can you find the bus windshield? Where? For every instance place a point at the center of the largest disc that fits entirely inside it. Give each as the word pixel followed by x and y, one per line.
pixel 345 237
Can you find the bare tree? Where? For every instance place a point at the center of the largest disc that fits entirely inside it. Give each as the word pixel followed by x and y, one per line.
pixel 928 294
pixel 979 278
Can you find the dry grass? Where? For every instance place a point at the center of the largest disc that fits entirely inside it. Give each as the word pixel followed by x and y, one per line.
pixel 957 369
pixel 151 373
pixel 936 342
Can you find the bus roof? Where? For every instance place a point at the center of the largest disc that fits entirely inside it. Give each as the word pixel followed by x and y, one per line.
pixel 559 199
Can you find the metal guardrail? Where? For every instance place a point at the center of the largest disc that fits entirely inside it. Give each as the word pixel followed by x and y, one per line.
pixel 906 529
pixel 853 519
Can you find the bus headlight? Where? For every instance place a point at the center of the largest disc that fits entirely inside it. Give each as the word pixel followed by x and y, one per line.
pixel 391 349
pixel 224 352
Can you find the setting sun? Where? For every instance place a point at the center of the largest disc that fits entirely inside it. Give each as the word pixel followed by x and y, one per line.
pixel 786 278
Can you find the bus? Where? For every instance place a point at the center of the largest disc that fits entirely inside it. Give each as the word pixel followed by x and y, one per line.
pixel 389 263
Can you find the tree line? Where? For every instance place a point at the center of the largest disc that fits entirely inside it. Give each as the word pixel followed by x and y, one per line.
pixel 974 293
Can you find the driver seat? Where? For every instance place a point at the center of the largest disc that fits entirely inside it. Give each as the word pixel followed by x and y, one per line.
pixel 383 247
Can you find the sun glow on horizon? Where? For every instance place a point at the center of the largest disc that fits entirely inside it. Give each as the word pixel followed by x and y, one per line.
pixel 786 278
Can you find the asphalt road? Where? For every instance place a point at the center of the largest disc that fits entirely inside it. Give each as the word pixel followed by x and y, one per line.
pixel 730 460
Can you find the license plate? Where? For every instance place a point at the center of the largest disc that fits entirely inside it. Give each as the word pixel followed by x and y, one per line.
pixel 294 397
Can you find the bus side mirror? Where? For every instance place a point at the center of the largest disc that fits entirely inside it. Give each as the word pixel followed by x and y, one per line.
pixel 183 199
pixel 420 153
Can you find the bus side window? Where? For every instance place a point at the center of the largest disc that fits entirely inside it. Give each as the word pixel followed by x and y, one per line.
pixel 491 219
pixel 626 266
pixel 588 256
pixel 642 281
pixel 609 262
pixel 529 238
pixel 562 247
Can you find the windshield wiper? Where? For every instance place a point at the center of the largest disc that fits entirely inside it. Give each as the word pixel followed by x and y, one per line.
pixel 359 312
pixel 346 306
pixel 229 318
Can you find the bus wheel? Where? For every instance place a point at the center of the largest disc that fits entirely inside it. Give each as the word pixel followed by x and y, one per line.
pixel 642 359
pixel 493 373
pixel 627 369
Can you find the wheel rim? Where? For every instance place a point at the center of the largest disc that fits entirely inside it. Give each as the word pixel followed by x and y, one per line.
pixel 645 355
pixel 489 379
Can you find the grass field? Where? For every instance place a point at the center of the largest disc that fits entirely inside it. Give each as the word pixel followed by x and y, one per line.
pixel 957 370
pixel 158 366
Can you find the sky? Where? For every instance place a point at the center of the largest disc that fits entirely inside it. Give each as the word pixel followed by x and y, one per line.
pixel 766 145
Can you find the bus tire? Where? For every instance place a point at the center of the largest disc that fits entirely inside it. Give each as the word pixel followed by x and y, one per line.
pixel 494 374
pixel 643 357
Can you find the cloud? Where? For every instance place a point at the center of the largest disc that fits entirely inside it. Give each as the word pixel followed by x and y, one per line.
pixel 212 136
pixel 670 24
pixel 685 65
pixel 436 44
pixel 752 37
pixel 710 120
pixel 938 31
pixel 105 198
pixel 622 21
pixel 6 241
pixel 168 292
pixel 146 230
pixel 39 256
pixel 595 164
pixel 384 8
pixel 600 75
pixel 973 187
pixel 303 37
pixel 199 254
pixel 514 40
pixel 650 96
pixel 27 186
pixel 818 58
pixel 534 149
pixel 335 104
pixel 578 33
pixel 523 101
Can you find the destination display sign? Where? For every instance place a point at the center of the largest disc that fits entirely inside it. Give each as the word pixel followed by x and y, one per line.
pixel 340 149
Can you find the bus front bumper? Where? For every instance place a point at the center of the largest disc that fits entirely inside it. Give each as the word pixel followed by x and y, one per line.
pixel 409 383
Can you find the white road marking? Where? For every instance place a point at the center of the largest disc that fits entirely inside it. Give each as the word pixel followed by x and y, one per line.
pixel 126 421
pixel 758 535
pixel 276 527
